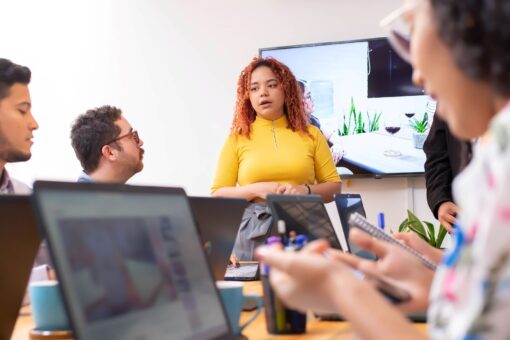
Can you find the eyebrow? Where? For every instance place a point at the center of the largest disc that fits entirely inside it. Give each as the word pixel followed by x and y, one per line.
pixel 267 81
pixel 25 103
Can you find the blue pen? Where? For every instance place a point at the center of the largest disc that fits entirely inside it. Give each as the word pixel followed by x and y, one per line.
pixel 380 220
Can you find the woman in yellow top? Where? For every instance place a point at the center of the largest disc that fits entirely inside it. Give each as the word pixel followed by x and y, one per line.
pixel 271 149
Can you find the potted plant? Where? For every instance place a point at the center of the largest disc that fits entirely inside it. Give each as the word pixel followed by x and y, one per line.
pixel 426 232
pixel 420 130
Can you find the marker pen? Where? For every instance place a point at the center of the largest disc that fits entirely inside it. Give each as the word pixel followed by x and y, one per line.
pixel 380 220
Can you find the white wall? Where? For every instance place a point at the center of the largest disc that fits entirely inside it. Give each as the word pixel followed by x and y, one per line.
pixel 172 67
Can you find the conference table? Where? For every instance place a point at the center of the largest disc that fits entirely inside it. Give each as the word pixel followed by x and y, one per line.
pixel 316 329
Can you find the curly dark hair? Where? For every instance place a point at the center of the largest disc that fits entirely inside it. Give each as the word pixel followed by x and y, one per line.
pixel 479 35
pixel 91 131
pixel 293 107
pixel 10 74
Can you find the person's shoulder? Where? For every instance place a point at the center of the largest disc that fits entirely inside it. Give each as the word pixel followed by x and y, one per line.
pixel 315 121
pixel 314 131
pixel 20 188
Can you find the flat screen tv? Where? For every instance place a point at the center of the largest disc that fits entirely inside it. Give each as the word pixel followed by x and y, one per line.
pixel 363 92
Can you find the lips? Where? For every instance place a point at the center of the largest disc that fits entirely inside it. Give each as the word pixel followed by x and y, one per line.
pixel 265 103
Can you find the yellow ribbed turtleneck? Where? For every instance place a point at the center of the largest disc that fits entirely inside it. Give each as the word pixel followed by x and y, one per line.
pixel 275 153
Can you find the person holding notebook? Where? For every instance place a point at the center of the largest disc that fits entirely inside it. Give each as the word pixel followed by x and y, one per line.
pixel 272 149
pixel 17 124
pixel 106 145
pixel 457 49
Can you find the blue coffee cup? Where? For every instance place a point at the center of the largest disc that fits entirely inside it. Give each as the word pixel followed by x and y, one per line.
pixel 233 299
pixel 47 306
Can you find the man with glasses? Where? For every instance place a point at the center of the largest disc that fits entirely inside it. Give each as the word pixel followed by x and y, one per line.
pixel 16 123
pixel 106 145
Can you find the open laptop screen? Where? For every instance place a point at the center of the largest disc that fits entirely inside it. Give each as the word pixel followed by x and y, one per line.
pixel 130 262
pixel 304 215
pixel 348 204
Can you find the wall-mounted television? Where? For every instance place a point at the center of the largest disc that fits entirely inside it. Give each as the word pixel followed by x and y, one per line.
pixel 363 92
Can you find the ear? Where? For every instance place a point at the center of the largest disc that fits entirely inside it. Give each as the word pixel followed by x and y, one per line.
pixel 108 153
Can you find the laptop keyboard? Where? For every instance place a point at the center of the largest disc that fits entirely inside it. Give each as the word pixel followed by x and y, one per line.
pixel 245 271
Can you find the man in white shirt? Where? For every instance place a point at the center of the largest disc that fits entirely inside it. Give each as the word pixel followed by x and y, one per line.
pixel 16 123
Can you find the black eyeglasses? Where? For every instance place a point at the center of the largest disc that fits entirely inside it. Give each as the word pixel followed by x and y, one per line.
pixel 133 134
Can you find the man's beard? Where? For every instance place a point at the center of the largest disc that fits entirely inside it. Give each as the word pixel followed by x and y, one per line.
pixel 9 155
pixel 13 156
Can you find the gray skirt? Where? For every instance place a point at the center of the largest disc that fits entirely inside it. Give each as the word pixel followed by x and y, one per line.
pixel 254 229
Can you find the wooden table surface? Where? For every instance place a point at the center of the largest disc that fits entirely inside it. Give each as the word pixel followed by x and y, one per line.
pixel 256 330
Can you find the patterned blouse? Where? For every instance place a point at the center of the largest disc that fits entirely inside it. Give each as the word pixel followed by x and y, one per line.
pixel 470 297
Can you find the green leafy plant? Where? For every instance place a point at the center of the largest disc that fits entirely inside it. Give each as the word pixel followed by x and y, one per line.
pixel 420 126
pixel 354 123
pixel 359 127
pixel 425 230
pixel 346 127
pixel 373 123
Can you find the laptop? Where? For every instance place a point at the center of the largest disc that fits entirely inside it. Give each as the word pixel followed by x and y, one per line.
pixel 303 214
pixel 130 262
pixel 218 221
pixel 348 204
pixel 19 242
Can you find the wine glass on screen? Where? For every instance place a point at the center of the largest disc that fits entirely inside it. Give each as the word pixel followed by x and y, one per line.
pixel 409 115
pixel 392 126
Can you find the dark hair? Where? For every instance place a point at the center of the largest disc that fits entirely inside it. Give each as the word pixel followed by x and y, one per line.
pixel 91 131
pixel 10 74
pixel 301 84
pixel 478 33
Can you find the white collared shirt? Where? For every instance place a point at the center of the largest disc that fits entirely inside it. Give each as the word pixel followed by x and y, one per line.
pixel 11 186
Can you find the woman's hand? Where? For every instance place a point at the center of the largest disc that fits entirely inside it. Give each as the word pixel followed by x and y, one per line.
pixel 420 245
pixel 337 151
pixel 259 191
pixel 306 279
pixel 309 280
pixel 234 261
pixel 292 189
pixel 394 263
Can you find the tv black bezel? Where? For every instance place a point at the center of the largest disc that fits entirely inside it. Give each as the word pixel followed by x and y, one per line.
pixel 353 176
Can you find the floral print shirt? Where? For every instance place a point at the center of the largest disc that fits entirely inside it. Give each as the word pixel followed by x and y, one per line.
pixel 470 296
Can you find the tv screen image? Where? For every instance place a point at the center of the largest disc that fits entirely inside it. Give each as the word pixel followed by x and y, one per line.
pixel 362 92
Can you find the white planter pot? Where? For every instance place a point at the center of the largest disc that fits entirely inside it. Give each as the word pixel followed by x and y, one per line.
pixel 419 139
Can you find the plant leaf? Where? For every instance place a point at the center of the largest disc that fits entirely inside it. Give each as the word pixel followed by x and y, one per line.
pixel 416 228
pixel 376 121
pixel 431 232
pixel 440 236
pixel 403 226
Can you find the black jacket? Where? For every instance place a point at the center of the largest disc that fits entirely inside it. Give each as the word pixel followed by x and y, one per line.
pixel 446 157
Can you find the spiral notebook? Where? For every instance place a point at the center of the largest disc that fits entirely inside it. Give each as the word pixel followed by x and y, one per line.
pixel 358 221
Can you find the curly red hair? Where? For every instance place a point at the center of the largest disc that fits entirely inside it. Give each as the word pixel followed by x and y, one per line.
pixel 293 106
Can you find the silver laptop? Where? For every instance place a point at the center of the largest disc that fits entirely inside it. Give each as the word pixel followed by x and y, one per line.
pixel 218 221
pixel 130 262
